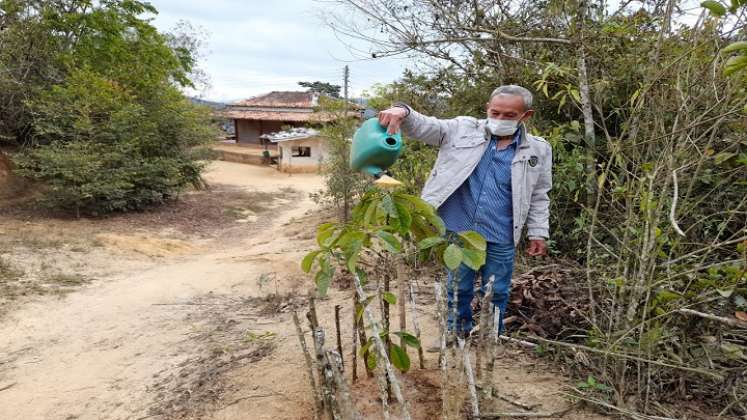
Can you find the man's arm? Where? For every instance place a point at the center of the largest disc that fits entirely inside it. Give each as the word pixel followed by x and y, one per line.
pixel 429 130
pixel 538 219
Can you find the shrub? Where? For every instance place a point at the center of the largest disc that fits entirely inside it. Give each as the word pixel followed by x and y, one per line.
pixel 101 151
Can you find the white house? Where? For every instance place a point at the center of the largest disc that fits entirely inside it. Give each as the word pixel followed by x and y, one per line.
pixel 300 149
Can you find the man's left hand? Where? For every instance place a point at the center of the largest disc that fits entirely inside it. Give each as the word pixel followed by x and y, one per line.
pixel 536 248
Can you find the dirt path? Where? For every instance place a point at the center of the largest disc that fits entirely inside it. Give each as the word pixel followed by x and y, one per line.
pixel 205 333
pixel 93 354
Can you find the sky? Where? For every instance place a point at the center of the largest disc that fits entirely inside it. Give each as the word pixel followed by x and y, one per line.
pixel 257 46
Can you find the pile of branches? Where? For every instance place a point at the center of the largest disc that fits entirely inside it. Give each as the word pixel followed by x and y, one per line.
pixel 545 301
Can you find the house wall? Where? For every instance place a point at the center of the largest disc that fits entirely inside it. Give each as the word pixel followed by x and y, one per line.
pixel 250 130
pixel 247 131
pixel 302 164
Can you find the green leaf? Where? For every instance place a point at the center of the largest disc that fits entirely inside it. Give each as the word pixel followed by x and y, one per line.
pixel 370 216
pixel 438 223
pixel 723 157
pixel 391 242
pixel 353 255
pixel 361 307
pixel 634 96
pixel 308 261
pixel 399 358
pixel 324 235
pixel 453 257
pixel 324 232
pixel 409 339
pixel 716 8
pixel 576 95
pixel 350 238
pixel 323 279
pixel 420 205
pixel 735 64
pixel 735 46
pixel 389 206
pixel 365 348
pixel 601 179
pixel 474 240
pixel 666 296
pixel 359 312
pixel 405 218
pixel 389 298
pixel 362 276
pixel 371 360
pixel 473 259
pixel 431 242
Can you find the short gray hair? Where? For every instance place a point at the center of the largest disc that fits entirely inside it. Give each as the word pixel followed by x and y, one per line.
pixel 515 90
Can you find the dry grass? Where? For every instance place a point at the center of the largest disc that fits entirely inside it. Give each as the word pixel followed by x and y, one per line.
pixel 194 213
pixel 53 254
pixel 15 283
pixel 225 343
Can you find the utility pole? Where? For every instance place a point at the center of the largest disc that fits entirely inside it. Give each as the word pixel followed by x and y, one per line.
pixel 348 183
pixel 346 77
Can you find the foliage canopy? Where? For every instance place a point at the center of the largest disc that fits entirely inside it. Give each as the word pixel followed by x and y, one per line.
pixel 90 93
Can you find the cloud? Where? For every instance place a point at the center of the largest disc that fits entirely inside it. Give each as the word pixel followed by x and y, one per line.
pixel 259 46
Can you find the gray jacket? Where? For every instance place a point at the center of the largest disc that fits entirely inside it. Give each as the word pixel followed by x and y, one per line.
pixel 462 142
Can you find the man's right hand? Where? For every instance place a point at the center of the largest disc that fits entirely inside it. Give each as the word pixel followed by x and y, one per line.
pixel 392 118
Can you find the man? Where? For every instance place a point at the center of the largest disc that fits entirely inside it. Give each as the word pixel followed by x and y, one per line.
pixel 491 176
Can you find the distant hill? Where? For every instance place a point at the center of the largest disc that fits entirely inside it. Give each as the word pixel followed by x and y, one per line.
pixel 211 104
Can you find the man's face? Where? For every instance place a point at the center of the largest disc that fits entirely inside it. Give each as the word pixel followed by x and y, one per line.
pixel 508 107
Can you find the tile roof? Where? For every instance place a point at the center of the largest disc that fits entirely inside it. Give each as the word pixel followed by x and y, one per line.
pixel 289 116
pixel 282 100
pixel 282 106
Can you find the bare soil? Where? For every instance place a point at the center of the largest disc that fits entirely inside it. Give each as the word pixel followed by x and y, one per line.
pixel 184 312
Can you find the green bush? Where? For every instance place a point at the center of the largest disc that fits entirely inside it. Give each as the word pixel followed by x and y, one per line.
pixel 101 151
pixel 101 120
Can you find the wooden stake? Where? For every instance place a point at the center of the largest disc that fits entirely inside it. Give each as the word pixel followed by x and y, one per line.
pixel 464 347
pixel 344 397
pixel 325 375
pixel 401 306
pixel 484 324
pixel 415 325
pixel 387 324
pixel 318 407
pixel 382 353
pixel 354 355
pixel 441 309
pixel 363 339
pixel 339 337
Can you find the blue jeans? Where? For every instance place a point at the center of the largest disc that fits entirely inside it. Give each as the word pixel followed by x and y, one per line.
pixel 499 262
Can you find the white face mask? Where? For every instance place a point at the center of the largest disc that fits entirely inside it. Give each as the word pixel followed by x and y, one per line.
pixel 502 127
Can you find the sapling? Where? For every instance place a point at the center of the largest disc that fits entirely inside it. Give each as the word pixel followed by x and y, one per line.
pixel 381 230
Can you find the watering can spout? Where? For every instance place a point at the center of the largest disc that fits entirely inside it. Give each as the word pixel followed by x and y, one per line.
pixel 385 181
pixel 374 151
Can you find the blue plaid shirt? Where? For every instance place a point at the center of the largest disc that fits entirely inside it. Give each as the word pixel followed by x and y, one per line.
pixel 483 202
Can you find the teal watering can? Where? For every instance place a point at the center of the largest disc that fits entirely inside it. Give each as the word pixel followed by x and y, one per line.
pixel 374 151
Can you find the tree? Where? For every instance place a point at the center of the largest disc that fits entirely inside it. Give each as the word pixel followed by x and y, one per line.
pixel 658 220
pixel 91 94
pixel 343 184
pixel 322 88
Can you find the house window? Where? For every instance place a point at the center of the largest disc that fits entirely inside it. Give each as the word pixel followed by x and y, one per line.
pixel 301 151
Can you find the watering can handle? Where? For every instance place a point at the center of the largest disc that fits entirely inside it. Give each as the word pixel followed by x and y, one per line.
pixel 392 118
